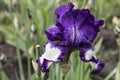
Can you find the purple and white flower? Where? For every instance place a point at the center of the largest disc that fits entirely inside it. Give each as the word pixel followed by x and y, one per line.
pixel 75 29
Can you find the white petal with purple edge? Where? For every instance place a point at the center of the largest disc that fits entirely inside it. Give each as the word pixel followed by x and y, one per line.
pixel 93 65
pixel 97 67
pixel 89 54
pixel 52 53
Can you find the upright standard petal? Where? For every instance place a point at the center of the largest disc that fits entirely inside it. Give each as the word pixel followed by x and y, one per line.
pixel 73 19
pixel 88 32
pixel 60 11
pixel 87 15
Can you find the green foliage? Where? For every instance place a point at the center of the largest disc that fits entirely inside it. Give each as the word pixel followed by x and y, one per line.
pixel 3 76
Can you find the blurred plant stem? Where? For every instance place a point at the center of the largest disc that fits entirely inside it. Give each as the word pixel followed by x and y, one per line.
pixel 37 56
pixel 19 59
pixel 83 4
pixel 82 71
pixel 17 48
pixel 118 42
pixel 117 75
pixel 111 74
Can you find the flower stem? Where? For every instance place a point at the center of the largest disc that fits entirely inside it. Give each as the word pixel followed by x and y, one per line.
pixel 37 56
pixel 82 71
pixel 65 65
pixel 83 4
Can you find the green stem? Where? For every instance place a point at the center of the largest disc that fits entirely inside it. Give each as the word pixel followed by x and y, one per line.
pixel 17 49
pixel 65 65
pixel 83 4
pixel 111 74
pixel 119 53
pixel 82 71
pixel 29 68
pixel 20 65
pixel 37 56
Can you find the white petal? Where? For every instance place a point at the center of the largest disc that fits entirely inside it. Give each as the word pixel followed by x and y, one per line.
pixel 93 65
pixel 89 54
pixel 51 53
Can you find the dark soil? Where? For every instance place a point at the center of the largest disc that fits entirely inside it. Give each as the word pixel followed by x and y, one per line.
pixel 109 51
pixel 11 66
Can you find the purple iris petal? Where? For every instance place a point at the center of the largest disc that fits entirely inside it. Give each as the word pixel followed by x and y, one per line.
pixel 54 34
pixel 60 11
pixel 87 14
pixel 88 34
pixel 99 67
pixel 75 29
pixel 87 55
pixel 44 66
pixel 99 23
pixel 86 52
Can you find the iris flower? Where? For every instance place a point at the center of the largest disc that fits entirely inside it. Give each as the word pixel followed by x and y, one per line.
pixel 75 29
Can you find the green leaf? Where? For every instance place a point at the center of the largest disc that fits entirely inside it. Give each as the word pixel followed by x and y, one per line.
pixel 98 45
pixel 3 76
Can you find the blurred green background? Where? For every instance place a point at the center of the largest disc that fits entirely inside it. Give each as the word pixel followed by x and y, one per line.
pixel 22 26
